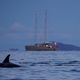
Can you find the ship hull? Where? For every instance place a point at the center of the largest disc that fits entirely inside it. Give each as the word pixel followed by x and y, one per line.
pixel 34 48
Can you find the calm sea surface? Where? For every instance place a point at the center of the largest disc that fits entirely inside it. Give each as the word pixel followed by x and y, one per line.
pixel 42 65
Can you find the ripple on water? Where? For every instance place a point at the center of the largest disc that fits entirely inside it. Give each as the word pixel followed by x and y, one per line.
pixel 43 66
pixel 16 79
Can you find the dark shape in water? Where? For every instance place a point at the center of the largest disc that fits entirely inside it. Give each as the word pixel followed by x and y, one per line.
pixel 41 63
pixel 7 64
pixel 70 63
pixel 75 70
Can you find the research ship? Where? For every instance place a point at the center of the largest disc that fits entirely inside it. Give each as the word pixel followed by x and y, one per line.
pixel 44 46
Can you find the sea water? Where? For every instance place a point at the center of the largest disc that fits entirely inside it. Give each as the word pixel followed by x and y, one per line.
pixel 42 65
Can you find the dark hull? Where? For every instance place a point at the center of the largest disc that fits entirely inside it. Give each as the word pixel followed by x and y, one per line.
pixel 35 48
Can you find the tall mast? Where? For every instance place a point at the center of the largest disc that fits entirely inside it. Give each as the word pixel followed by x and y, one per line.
pixel 35 27
pixel 45 26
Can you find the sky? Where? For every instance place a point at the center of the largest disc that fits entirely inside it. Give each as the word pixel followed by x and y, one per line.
pixel 17 22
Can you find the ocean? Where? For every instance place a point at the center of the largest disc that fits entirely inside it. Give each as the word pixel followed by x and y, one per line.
pixel 42 65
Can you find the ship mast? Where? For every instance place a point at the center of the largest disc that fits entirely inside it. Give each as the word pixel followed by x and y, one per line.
pixel 45 26
pixel 35 27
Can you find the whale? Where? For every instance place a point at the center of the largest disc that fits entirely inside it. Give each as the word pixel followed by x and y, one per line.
pixel 7 64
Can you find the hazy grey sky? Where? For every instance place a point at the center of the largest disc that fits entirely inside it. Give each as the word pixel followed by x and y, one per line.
pixel 17 21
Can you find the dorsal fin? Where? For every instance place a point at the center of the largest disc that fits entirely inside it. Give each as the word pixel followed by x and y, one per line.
pixel 6 60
